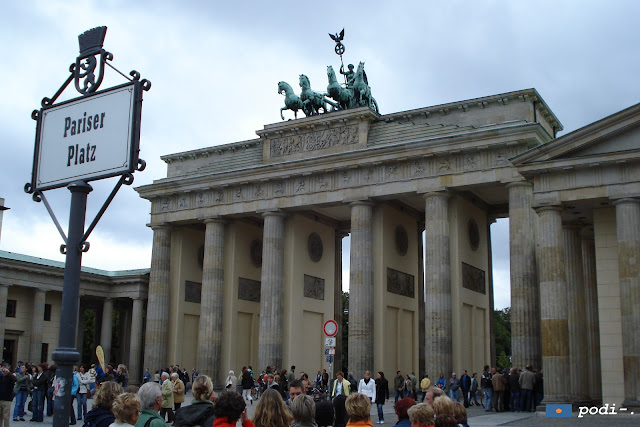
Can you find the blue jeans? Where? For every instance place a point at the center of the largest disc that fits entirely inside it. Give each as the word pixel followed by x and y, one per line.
pixel 525 399
pixel 514 401
pixel 38 405
pixel 488 392
pixel 82 405
pixel 399 395
pixel 380 413
pixel 454 395
pixel 92 387
pixel 21 399
pixel 49 402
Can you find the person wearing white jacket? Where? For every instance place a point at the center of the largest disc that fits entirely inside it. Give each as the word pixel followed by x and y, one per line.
pixel 367 386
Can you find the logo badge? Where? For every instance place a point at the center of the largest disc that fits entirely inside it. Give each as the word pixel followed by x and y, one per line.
pixel 559 411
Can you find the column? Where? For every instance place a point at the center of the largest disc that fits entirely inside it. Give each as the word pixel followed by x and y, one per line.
pixel 361 289
pixel 579 382
pixel 210 338
pixel 37 325
pixel 492 319
pixel 553 306
pixel 421 330
pixel 438 320
pixel 4 294
pixel 338 309
pixel 155 352
pixel 272 291
pixel 135 354
pixel 628 230
pixel 106 329
pixel 525 309
pixel 591 315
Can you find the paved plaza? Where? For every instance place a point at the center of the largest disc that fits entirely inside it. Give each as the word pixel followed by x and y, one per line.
pixel 477 417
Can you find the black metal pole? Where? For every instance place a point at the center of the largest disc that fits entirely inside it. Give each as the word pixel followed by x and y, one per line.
pixel 66 355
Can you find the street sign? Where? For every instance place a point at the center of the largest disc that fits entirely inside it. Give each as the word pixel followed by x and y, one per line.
pixel 332 351
pixel 88 138
pixel 330 342
pixel 326 351
pixel 330 359
pixel 330 328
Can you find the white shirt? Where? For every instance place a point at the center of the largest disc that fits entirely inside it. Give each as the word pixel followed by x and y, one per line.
pixel 368 390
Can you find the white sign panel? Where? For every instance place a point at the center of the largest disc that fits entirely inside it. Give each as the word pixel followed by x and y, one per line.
pixel 89 138
pixel 330 342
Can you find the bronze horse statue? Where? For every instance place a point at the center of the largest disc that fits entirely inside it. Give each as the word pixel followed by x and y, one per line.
pixel 344 96
pixel 362 91
pixel 291 100
pixel 312 101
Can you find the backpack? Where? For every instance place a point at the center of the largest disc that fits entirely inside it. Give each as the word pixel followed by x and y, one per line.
pixel 193 415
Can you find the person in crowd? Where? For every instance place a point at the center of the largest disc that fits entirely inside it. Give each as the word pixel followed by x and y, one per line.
pixel 229 408
pixel 441 383
pixel 499 383
pixel 414 384
pixel 306 382
pixel 39 382
pixel 93 376
pixel 99 374
pixel 271 411
pixel 100 414
pixel 122 376
pixel 473 390
pixel 325 379
pixel 358 407
pixel 324 413
pixel 185 379
pixel 296 388
pixel 538 389
pixel 514 387
pixel 465 386
pixel 303 410
pixel 83 387
pixel 246 380
pixel 352 381
pixel 460 414
pixel 487 387
pixel 21 391
pixel 75 386
pixel 340 385
pixel 194 375
pixel 167 397
pixel 421 415
pixel 340 411
pixel 424 386
pixel 110 374
pixel 367 386
pixel 200 412
pixel 527 382
pixel 454 387
pixel 442 406
pixel 51 373
pixel 401 409
pixel 146 377
pixel 150 395
pixel 178 391
pixel 432 394
pixel 408 386
pixel 7 382
pixel 318 381
pixel 126 410
pixel 231 383
pixel 382 394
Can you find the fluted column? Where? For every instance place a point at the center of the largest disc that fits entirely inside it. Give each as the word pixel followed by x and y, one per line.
pixel 4 294
pixel 361 289
pixel 421 330
pixel 572 245
pixel 628 231
pixel 553 306
pixel 210 338
pixel 135 346
pixel 157 325
pixel 525 309
pixel 272 291
pixel 37 325
pixel 106 329
pixel 438 320
pixel 591 314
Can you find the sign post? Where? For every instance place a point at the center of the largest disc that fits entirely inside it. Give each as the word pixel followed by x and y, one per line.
pixel 330 329
pixel 92 137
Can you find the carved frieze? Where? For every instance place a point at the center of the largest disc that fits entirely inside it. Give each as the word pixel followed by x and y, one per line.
pixel 314 141
pixel 313 287
pixel 248 290
pixel 192 292
pixel 400 283
pixel 473 279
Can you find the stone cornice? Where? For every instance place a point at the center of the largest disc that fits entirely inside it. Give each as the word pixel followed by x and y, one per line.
pixel 501 141
pixel 216 150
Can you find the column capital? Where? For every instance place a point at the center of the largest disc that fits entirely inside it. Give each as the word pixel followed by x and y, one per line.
pixel 276 212
pixel 539 209
pixel 361 203
pixel 446 194
pixel 39 290
pixel 214 219
pixel 526 184
pixel 161 226
pixel 625 201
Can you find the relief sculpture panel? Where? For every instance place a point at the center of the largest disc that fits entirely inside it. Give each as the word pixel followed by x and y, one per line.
pixel 313 287
pixel 400 283
pixel 248 290
pixel 313 141
pixel 473 279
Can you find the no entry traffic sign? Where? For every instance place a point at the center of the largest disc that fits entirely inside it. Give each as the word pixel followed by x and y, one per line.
pixel 330 328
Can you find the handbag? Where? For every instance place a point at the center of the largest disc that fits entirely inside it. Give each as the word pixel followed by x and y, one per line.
pixel 30 405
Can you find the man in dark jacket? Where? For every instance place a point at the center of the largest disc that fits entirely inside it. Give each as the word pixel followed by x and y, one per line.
pixel 382 394
pixel 465 385
pixel 527 381
pixel 7 381
pixel 514 386
pixel 398 385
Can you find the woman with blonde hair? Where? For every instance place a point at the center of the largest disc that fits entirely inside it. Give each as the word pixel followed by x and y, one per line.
pixel 126 409
pixel 421 415
pixel 271 411
pixel 200 412
pixel 358 407
pixel 100 415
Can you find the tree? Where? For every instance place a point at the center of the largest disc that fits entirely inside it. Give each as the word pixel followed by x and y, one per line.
pixel 502 319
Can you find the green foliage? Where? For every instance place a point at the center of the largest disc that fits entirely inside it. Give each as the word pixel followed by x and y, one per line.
pixel 344 324
pixel 502 319
pixel 88 347
pixel 503 361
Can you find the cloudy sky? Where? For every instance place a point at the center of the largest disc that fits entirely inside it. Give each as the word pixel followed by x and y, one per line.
pixel 215 66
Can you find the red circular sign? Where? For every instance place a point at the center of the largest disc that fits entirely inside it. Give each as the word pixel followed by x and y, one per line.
pixel 330 328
